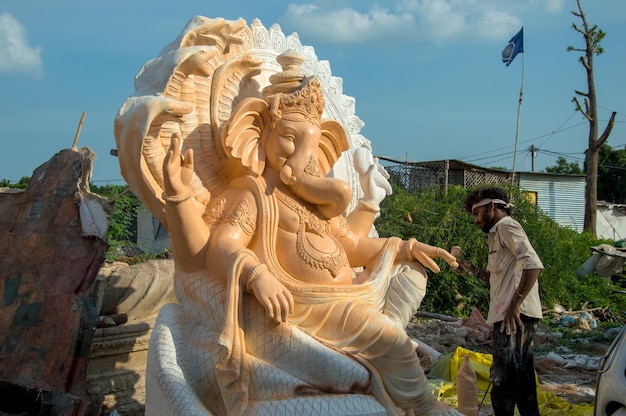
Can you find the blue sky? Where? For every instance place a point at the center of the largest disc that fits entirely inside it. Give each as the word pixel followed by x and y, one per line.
pixel 427 75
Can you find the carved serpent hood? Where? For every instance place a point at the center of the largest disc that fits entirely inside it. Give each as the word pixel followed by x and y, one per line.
pixel 218 75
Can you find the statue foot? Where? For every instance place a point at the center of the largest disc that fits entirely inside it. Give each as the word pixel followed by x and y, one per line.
pixel 442 409
pixel 439 409
pixel 449 412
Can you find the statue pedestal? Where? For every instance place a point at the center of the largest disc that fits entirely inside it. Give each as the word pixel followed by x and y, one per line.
pixel 128 298
pixel 117 368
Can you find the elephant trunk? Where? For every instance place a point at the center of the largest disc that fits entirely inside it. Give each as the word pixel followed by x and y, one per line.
pixel 287 175
pixel 330 195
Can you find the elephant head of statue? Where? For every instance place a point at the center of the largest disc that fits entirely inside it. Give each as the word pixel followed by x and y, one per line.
pixel 283 138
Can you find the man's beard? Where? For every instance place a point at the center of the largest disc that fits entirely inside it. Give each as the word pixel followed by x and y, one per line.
pixel 488 225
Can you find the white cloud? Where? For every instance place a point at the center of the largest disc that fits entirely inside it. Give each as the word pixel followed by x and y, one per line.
pixel 438 18
pixel 433 21
pixel 348 25
pixel 551 6
pixel 497 25
pixel 449 20
pixel 16 55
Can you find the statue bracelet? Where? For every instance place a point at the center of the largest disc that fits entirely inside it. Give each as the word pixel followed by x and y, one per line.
pixel 367 207
pixel 253 274
pixel 409 248
pixel 176 198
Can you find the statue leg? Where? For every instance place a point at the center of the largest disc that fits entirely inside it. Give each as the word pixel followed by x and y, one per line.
pixel 356 328
pixel 406 291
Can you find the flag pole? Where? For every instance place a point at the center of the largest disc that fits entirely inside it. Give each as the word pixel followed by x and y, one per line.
pixel 519 106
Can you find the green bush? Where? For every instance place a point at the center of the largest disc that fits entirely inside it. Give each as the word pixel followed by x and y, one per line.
pixel 438 218
pixel 120 234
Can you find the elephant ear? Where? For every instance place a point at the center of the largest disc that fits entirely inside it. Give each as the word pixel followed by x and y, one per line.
pixel 333 143
pixel 242 141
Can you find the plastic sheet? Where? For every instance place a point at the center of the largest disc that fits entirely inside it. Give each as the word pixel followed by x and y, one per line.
pixel 442 375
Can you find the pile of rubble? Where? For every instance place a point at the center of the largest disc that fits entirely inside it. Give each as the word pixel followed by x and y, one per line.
pixel 566 365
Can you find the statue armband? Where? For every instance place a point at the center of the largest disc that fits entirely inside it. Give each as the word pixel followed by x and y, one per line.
pixel 241 217
pixel 342 227
pixel 215 212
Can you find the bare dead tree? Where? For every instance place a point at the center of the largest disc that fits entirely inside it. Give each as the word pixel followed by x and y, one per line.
pixel 589 109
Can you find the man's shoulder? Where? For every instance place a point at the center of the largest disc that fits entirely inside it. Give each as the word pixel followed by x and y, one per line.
pixel 512 220
pixel 507 222
pixel 511 226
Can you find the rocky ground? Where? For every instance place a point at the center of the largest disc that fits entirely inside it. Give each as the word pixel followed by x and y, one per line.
pixel 568 351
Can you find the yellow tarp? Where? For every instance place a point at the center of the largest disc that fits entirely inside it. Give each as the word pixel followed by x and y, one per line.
pixel 442 378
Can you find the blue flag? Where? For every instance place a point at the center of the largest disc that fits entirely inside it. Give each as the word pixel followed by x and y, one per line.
pixel 515 46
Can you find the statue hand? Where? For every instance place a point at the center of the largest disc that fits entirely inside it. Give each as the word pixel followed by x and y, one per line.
pixel 177 170
pixel 372 177
pixel 273 295
pixel 425 254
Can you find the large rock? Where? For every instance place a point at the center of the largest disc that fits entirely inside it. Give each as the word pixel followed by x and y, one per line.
pixel 52 244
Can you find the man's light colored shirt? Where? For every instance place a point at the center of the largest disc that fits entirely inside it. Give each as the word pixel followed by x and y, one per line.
pixel 509 253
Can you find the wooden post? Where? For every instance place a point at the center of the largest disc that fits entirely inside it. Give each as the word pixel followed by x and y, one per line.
pixel 80 127
pixel 446 176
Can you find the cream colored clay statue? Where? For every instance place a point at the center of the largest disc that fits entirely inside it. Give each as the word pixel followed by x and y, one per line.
pixel 240 141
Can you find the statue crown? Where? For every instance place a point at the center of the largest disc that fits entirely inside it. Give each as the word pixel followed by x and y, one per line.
pixel 292 92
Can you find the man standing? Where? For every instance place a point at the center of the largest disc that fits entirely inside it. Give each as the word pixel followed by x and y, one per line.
pixel 514 306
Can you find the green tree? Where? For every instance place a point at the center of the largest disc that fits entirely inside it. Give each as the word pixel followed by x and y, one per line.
pixel 21 184
pixel 122 227
pixel 592 36
pixel 612 174
pixel 563 166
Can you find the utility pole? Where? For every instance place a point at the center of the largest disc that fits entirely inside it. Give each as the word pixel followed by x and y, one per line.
pixel 533 153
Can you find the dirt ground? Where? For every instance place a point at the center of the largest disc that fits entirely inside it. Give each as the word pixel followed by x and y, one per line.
pixel 567 358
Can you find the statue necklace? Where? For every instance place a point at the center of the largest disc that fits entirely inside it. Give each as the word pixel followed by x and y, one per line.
pixel 311 222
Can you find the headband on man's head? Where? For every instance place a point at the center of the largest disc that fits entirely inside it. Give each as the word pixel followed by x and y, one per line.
pixel 495 201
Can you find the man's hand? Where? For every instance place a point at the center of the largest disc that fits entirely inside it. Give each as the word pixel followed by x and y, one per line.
pixel 465 267
pixel 273 295
pixel 512 320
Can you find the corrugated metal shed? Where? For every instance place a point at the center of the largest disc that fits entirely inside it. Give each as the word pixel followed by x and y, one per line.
pixel 415 176
pixel 611 221
pixel 560 196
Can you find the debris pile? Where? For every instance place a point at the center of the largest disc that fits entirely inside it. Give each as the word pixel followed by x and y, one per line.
pixel 568 351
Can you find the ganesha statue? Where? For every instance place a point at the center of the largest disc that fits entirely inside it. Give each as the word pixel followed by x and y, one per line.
pixel 287 303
